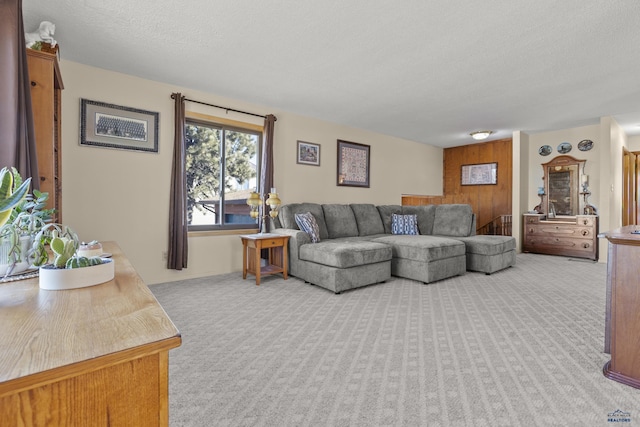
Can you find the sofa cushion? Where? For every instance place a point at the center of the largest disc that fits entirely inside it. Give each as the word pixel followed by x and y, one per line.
pixel 367 218
pixel 345 254
pixel 385 212
pixel 454 220
pixel 404 224
pixel 423 248
pixel 307 223
pixel 288 212
pixel 489 245
pixel 426 216
pixel 340 221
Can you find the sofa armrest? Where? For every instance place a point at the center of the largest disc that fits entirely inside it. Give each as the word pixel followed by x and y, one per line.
pixel 297 238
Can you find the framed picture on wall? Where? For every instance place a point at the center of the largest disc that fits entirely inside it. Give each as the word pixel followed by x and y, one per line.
pixel 115 126
pixel 353 164
pixel 480 174
pixel 308 153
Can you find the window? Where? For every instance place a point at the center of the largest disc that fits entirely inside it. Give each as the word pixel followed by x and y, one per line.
pixel 222 169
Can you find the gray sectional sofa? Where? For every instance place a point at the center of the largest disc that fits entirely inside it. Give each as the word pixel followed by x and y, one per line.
pixel 357 246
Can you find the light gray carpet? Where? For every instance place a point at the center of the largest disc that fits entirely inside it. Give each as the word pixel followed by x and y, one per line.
pixel 522 347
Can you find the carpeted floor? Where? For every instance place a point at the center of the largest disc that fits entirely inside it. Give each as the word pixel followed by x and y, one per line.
pixel 522 347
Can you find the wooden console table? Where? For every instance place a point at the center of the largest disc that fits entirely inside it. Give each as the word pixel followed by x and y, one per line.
pixel 278 259
pixel 85 357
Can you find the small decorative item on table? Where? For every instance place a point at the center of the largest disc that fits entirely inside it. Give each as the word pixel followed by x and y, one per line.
pixel 69 270
pixel 93 248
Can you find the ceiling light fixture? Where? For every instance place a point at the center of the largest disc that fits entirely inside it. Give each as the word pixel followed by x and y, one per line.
pixel 481 134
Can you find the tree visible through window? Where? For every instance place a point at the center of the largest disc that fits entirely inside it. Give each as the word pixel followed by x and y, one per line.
pixel 221 169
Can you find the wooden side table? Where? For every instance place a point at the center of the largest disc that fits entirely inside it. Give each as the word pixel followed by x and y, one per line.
pixel 278 260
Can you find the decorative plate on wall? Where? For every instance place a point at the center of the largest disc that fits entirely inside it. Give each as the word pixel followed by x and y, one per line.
pixel 585 145
pixel 545 150
pixel 564 148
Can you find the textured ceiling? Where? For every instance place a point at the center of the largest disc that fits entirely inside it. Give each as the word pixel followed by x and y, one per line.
pixel 425 70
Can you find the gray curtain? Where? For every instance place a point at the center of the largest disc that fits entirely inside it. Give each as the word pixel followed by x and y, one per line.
pixel 178 252
pixel 266 171
pixel 17 135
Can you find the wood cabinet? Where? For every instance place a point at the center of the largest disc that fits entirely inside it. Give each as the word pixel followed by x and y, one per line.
pixel 46 87
pixel 570 236
pixel 95 356
pixel 622 333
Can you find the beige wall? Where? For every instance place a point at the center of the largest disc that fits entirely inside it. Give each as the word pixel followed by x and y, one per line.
pixel 123 195
pixel 634 143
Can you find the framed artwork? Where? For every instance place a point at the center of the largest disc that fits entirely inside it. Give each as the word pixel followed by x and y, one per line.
pixel 480 174
pixel 308 153
pixel 353 164
pixel 114 126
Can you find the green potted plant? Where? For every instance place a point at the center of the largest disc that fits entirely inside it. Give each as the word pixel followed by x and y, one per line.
pixel 28 217
pixel 68 270
pixel 13 191
pixel 26 231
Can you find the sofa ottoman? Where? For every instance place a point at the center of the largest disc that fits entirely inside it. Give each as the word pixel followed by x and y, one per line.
pixel 341 265
pixel 425 258
pixel 488 253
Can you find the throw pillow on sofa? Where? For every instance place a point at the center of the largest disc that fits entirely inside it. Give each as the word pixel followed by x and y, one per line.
pixel 307 223
pixel 404 224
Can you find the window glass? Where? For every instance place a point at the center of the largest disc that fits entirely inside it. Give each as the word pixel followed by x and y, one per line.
pixel 221 171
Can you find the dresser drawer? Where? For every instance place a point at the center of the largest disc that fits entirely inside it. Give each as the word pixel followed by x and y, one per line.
pixel 550 230
pixel 560 243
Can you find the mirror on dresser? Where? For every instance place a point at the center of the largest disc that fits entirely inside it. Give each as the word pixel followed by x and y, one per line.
pixel 562 180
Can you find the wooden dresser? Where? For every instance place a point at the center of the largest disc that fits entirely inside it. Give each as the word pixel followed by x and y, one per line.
pixel 95 356
pixel 569 236
pixel 622 323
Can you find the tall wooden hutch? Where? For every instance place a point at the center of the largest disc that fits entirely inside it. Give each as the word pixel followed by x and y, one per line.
pixel 46 101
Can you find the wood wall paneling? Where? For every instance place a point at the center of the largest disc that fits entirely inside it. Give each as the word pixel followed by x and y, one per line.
pixel 488 201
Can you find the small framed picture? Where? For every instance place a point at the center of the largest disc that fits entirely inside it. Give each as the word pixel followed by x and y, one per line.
pixel 480 174
pixel 308 153
pixel 115 126
pixel 353 164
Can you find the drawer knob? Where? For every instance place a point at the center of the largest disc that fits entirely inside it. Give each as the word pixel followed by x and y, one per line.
pixel 586 245
pixel 585 232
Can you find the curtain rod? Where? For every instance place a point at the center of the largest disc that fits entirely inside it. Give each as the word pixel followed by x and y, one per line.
pixel 223 108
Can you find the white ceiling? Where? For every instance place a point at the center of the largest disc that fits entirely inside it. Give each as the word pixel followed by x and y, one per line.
pixel 430 71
